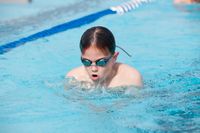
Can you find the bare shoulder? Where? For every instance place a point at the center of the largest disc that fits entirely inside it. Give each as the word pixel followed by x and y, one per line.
pixel 128 70
pixel 78 73
pixel 130 75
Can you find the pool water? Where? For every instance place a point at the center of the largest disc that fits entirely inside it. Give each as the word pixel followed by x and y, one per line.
pixel 164 43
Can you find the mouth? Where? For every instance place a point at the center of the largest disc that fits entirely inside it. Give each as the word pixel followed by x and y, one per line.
pixel 95 76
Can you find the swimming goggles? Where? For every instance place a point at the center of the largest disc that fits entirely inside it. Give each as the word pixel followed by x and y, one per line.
pixel 100 62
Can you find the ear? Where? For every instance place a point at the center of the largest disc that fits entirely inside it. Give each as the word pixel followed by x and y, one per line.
pixel 115 55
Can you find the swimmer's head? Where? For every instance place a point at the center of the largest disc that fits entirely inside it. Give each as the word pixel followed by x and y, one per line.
pixel 98 54
pixel 99 37
pixel 186 1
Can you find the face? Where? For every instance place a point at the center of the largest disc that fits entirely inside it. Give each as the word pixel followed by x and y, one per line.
pixel 101 63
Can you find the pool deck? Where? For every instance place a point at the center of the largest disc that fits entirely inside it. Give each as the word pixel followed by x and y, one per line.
pixel 16 1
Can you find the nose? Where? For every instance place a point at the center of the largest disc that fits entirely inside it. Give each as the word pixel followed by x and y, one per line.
pixel 94 68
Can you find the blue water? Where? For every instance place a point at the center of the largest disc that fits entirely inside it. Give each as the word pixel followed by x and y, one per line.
pixel 164 42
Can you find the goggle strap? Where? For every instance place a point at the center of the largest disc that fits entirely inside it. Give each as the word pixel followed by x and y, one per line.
pixel 124 51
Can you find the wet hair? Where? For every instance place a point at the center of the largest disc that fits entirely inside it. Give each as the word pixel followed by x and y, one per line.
pixel 99 36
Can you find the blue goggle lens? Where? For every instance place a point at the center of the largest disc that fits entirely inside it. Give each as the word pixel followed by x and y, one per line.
pixel 100 62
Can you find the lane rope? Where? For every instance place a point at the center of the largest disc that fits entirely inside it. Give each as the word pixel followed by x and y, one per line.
pixel 120 9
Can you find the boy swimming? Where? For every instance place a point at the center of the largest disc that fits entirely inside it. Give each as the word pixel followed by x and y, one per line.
pixel 99 58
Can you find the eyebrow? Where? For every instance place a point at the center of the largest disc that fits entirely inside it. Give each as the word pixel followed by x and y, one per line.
pixel 97 59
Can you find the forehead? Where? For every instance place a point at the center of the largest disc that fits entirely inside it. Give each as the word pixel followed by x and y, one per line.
pixel 94 53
